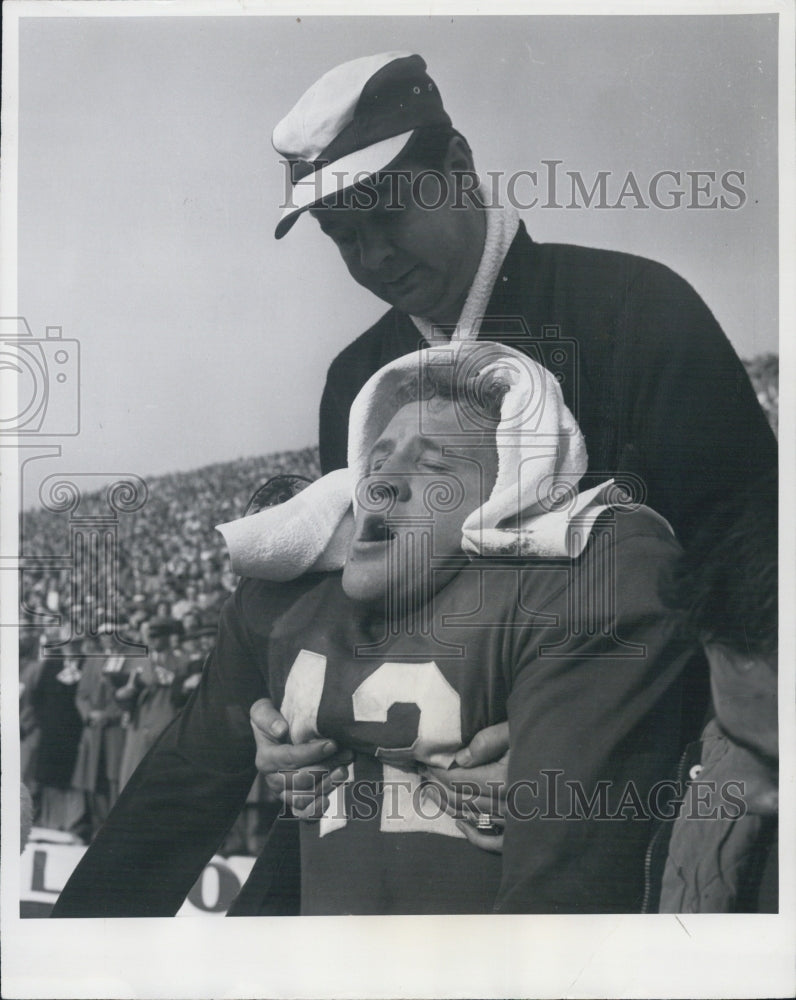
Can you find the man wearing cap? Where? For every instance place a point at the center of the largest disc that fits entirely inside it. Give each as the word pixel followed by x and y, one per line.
pixel 655 385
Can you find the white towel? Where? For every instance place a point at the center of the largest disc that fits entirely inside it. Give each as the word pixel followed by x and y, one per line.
pixel 534 508
pixel 502 223
pixel 309 532
pixel 540 446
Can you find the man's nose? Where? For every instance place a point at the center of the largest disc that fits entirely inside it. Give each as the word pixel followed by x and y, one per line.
pixel 374 247
pixel 398 485
pixel 395 481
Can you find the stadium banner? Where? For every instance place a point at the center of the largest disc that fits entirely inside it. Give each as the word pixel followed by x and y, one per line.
pixel 45 868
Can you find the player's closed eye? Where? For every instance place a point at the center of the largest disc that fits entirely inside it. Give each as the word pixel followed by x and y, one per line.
pixel 376 462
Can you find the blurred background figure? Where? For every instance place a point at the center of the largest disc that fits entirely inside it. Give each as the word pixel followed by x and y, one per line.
pixel 196 644
pixel 723 848
pixel 29 731
pixel 60 805
pixel 99 753
pixel 25 815
pixel 147 696
pixel 163 619
pixel 186 602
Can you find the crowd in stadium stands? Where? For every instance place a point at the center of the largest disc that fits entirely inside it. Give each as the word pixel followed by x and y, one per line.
pixel 89 714
pixel 90 707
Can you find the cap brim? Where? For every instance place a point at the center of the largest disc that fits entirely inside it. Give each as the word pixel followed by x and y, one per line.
pixel 341 175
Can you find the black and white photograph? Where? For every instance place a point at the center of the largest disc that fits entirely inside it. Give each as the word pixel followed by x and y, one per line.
pixel 394 485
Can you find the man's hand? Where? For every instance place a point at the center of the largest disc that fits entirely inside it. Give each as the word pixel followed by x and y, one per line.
pixel 288 767
pixel 476 785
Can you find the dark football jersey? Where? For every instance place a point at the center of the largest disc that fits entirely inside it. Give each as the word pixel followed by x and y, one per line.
pixel 399 700
pixel 408 694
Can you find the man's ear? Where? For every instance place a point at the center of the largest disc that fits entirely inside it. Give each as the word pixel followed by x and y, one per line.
pixel 458 163
pixel 459 156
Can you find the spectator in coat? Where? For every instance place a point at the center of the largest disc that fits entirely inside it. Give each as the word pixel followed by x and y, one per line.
pixel 61 805
pixel 29 731
pixel 722 852
pixel 99 754
pixel 194 652
pixel 147 697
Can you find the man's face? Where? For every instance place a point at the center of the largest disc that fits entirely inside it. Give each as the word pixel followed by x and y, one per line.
pixel 430 491
pixel 190 647
pixel 744 690
pixel 421 260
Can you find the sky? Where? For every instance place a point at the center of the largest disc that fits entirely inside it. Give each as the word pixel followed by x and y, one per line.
pixel 149 190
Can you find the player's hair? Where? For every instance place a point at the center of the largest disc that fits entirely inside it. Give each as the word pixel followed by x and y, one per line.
pixel 476 392
pixel 726 581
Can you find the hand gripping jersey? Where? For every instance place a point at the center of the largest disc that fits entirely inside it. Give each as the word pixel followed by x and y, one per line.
pixel 540 643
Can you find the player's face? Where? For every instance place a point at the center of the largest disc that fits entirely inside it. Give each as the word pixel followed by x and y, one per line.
pixel 425 477
pixel 417 258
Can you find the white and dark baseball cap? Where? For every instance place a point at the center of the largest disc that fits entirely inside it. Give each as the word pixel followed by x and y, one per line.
pixel 352 123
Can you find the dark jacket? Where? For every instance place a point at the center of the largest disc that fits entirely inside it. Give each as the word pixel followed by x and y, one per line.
pixel 99 753
pixel 660 395
pixel 722 835
pixel 53 701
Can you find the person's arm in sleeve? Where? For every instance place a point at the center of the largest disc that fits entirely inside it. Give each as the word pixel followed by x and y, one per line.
pixel 694 416
pixel 82 699
pixel 594 706
pixel 333 424
pixel 113 710
pixel 127 695
pixel 179 804
pixel 83 702
pixel 38 696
